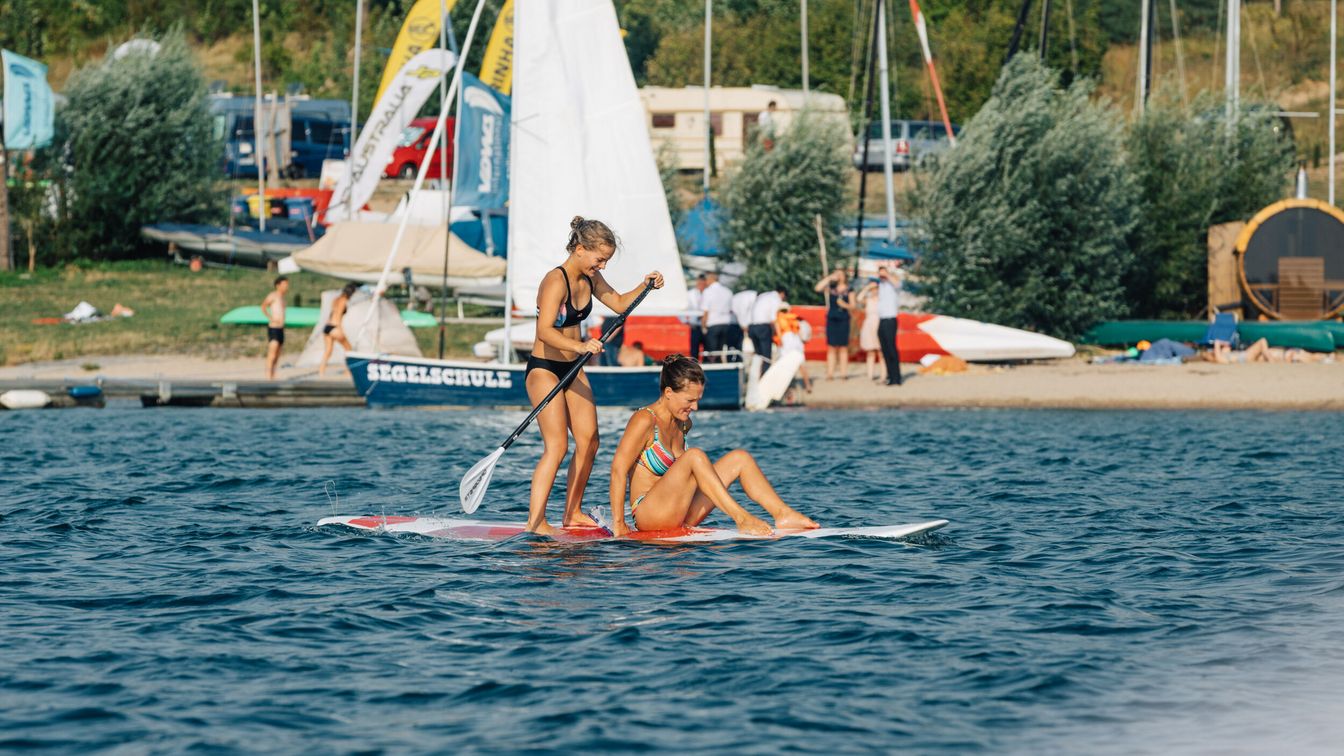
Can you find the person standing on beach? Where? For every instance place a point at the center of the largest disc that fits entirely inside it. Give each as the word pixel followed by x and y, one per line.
pixel 762 326
pixel 839 305
pixel 694 303
pixel 332 332
pixel 717 304
pixel 868 340
pixel 273 307
pixel 888 306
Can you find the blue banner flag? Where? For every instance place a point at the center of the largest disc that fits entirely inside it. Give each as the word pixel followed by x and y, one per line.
pixel 481 165
pixel 28 103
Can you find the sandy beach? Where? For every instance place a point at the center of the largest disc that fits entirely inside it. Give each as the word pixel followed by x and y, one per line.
pixel 1064 384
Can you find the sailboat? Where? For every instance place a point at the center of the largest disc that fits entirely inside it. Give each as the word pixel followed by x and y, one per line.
pixel 579 147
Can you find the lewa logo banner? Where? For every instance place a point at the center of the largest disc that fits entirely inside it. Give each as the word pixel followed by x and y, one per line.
pixel 483 144
pixel 419 32
pixel 377 141
pixel 28 103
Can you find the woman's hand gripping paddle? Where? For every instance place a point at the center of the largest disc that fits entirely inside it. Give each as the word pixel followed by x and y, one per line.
pixel 477 480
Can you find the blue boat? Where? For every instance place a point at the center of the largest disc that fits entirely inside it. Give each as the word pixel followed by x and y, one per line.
pixel 392 381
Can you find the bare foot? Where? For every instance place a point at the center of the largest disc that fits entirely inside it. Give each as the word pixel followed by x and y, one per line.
pixel 580 520
pixel 545 528
pixel 794 521
pixel 752 525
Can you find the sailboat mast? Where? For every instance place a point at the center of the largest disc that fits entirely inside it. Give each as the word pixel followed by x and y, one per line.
pixel 803 31
pixel 1334 20
pixel 354 87
pixel 864 123
pixel 258 141
pixel 709 125
pixel 1141 95
pixel 886 118
pixel 1232 70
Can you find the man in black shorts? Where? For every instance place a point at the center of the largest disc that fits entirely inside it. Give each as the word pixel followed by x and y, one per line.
pixel 273 307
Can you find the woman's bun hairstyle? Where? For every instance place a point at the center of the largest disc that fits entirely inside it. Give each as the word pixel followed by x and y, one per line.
pixel 592 234
pixel 679 370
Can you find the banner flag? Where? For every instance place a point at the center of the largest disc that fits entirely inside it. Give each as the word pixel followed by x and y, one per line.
pixel 418 33
pixel 482 172
pixel 28 107
pixel 497 67
pixel 378 139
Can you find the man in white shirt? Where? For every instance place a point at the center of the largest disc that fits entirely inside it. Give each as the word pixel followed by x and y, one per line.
pixel 888 307
pixel 694 302
pixel 717 303
pixel 761 329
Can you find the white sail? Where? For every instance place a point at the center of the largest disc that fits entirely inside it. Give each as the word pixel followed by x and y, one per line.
pixel 581 147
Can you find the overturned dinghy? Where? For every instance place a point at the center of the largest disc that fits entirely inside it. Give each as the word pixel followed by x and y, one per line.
pixel 974 341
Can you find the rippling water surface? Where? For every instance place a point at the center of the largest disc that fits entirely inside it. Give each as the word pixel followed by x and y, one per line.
pixel 1110 583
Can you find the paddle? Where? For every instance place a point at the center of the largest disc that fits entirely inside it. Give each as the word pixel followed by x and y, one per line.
pixel 477 479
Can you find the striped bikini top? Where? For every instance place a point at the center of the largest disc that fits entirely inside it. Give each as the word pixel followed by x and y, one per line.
pixel 656 458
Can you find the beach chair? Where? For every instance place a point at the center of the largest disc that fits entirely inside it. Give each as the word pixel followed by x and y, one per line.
pixel 1224 329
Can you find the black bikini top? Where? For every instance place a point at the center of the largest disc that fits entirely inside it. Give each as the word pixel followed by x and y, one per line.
pixel 569 315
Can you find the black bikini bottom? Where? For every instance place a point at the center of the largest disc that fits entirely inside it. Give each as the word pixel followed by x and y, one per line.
pixel 560 368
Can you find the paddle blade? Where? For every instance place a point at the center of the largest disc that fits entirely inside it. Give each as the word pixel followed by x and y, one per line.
pixel 477 480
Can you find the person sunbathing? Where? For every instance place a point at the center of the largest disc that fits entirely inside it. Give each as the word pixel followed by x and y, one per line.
pixel 1259 351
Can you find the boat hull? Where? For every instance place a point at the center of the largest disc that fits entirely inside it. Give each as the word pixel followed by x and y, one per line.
pixel 391 381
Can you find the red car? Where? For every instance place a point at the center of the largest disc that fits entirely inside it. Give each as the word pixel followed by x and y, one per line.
pixel 413 145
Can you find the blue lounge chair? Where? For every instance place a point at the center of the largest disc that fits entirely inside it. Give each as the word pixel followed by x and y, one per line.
pixel 1224 329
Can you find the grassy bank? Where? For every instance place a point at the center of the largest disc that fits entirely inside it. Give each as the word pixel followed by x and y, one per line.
pixel 176 312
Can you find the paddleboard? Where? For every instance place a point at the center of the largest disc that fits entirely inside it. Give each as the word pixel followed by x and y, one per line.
pixel 479 530
pixel 775 381
pixel 306 317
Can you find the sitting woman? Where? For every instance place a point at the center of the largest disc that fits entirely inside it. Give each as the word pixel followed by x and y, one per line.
pixel 673 487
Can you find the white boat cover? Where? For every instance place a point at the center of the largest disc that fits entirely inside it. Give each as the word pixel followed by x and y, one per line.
pixel 383 333
pixel 581 147
pixel 357 252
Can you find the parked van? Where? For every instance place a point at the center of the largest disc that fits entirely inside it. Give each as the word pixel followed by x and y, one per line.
pixel 913 142
pixel 301 131
pixel 413 145
pixel 677 118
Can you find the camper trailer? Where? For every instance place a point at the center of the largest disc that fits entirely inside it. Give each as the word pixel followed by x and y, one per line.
pixel 677 118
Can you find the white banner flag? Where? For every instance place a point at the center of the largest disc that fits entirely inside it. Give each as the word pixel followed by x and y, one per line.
pixel 378 139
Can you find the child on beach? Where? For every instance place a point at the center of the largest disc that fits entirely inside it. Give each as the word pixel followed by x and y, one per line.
pixel 273 307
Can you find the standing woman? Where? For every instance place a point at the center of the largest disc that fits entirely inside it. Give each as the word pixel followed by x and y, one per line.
pixel 868 341
pixel 564 298
pixel 839 304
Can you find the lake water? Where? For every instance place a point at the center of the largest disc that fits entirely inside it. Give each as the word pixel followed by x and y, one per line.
pixel 1111 582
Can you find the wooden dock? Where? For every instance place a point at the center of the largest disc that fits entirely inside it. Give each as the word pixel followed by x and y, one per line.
pixel 151 392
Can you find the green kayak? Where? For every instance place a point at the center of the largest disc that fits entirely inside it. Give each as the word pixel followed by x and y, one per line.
pixel 306 317
pixel 1315 336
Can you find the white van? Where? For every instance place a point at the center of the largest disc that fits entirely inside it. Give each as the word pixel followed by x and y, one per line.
pixel 676 117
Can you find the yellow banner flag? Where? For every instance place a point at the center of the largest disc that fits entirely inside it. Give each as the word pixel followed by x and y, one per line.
pixel 497 67
pixel 420 32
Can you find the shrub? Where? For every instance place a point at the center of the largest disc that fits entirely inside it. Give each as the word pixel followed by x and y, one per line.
pixel 1191 173
pixel 1025 223
pixel 773 199
pixel 139 149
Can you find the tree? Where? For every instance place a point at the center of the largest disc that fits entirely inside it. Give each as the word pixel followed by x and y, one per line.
pixel 138 141
pixel 1192 173
pixel 1025 222
pixel 774 197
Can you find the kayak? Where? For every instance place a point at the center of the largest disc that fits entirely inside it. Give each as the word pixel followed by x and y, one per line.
pixel 1316 336
pixel 306 317
pixel 478 530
